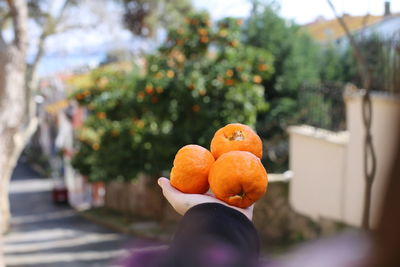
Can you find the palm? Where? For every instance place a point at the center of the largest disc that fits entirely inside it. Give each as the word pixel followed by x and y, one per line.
pixel 182 202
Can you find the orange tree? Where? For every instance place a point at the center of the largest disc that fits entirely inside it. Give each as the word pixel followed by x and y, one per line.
pixel 200 78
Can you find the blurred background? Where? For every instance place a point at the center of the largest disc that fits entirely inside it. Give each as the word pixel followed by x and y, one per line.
pixel 96 97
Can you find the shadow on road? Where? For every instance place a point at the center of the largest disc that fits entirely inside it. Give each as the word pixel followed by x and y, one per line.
pixel 45 234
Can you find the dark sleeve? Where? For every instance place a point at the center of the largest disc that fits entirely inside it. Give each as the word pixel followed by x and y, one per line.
pixel 212 229
pixel 218 224
pixel 209 234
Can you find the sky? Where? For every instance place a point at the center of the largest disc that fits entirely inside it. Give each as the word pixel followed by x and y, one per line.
pixel 301 11
pixel 88 46
pixel 108 29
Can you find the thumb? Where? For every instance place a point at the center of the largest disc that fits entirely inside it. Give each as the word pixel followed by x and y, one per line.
pixel 167 188
pixel 163 182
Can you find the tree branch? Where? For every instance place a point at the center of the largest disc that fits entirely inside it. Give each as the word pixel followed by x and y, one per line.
pixel 369 152
pixel 76 26
pixel 62 10
pixel 2 42
pixel 49 28
pixel 33 67
pixel 361 64
pixel 19 14
pixel 4 20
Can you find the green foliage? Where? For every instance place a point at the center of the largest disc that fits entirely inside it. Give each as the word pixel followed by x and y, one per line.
pixel 200 79
pixel 296 63
pixel 117 55
pixel 84 159
pixel 296 55
pixel 144 17
pixel 337 64
pixel 382 58
pixel 319 113
pixel 105 139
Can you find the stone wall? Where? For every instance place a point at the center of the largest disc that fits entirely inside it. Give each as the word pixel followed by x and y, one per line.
pixel 141 197
pixel 276 221
pixel 273 216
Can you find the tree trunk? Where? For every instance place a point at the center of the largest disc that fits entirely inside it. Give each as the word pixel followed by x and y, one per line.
pixel 12 103
pixel 11 146
pixel 6 146
pixel 12 109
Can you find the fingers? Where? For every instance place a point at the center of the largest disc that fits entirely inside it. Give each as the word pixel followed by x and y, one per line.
pixel 167 189
pixel 163 182
pixel 166 185
pixel 174 197
pixel 210 193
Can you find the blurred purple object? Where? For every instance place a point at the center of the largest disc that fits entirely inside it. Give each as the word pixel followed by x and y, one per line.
pixel 349 249
pixel 206 254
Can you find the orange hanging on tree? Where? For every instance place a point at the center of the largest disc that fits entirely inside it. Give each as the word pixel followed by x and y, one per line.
pixel 149 89
pixel 192 164
pixel 229 73
pixel 196 108
pixel 101 115
pixel 154 100
pixel 238 178
pixel 170 74
pixel 140 95
pixel 236 136
pixel 257 79
pixel 229 82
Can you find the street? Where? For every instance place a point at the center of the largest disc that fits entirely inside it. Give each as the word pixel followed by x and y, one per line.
pixel 44 234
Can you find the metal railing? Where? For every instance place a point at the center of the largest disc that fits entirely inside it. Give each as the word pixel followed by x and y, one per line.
pixel 322 106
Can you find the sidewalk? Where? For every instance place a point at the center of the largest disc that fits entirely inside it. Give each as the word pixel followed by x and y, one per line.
pixel 45 235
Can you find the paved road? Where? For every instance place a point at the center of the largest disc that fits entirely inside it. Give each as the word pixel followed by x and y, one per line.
pixel 45 235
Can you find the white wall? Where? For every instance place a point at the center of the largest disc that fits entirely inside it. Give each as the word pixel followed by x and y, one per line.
pixel 388 28
pixel 385 126
pixel 328 169
pixel 317 161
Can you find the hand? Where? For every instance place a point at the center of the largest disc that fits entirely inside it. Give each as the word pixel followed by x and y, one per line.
pixel 182 202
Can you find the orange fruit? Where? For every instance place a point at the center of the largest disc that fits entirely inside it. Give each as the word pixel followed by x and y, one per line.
pixel 238 178
pixel 202 31
pixel 257 79
pixel 154 100
pixel 196 108
pixel 170 74
pixel 96 146
pixel 233 137
pixel 149 90
pixel 234 43
pixel 140 95
pixel 262 67
pixel 189 174
pixel 229 82
pixel 204 39
pixel 229 73
pixel 101 115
